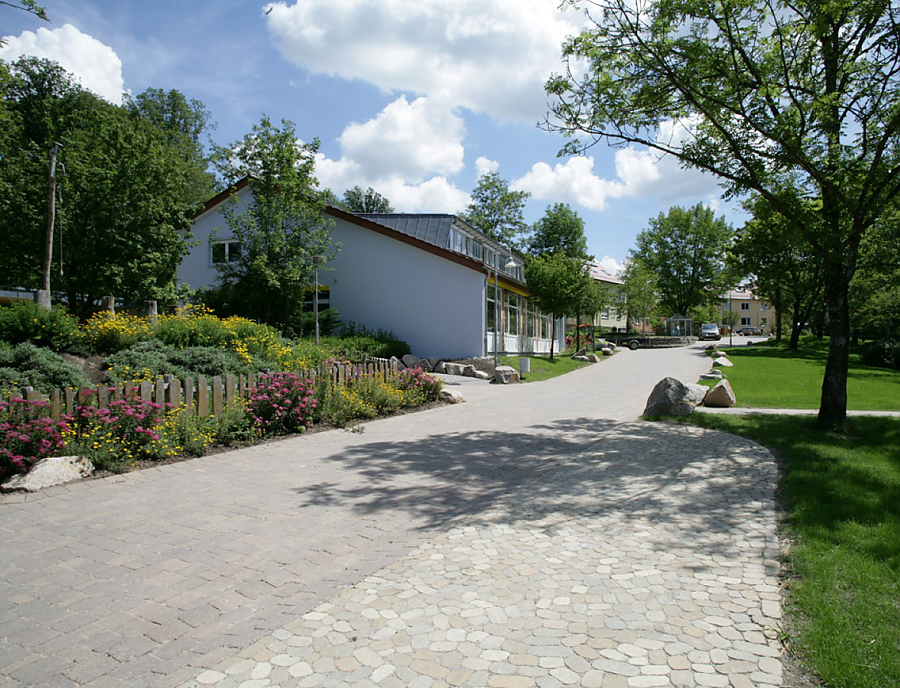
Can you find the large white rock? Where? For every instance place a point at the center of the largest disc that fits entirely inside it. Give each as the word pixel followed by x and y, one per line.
pixel 505 375
pixel 719 354
pixel 453 368
pixel 452 396
pixel 722 363
pixel 696 394
pixel 594 358
pixel 410 361
pixel 721 396
pixel 55 470
pixel 670 397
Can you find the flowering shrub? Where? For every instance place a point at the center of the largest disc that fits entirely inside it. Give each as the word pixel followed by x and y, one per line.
pixel 26 321
pixel 282 403
pixel 424 387
pixel 119 435
pixel 110 332
pixel 24 438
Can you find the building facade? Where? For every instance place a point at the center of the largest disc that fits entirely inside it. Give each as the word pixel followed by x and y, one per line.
pixel 431 279
pixel 743 308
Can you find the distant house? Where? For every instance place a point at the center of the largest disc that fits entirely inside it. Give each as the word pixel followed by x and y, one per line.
pixel 746 309
pixel 608 317
pixel 433 280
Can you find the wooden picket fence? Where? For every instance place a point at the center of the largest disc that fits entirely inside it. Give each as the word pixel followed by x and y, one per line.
pixel 203 397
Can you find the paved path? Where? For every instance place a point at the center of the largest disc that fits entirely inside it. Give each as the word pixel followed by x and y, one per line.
pixel 535 535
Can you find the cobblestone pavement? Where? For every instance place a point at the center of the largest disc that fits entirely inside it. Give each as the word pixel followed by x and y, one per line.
pixel 527 537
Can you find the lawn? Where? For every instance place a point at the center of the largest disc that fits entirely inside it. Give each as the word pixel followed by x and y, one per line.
pixel 542 368
pixel 773 377
pixel 841 495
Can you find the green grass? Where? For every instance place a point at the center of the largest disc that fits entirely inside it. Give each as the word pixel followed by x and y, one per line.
pixel 773 377
pixel 542 368
pixel 842 501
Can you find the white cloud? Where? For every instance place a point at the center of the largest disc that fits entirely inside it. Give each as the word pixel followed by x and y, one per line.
pixel 639 172
pixel 490 56
pixel 611 264
pixel 95 64
pixel 404 153
pixel 485 165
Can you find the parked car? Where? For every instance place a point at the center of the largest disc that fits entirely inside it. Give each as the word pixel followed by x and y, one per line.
pixel 709 331
pixel 747 331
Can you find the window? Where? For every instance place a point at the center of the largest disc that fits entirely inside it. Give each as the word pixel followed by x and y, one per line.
pixel 545 326
pixel 763 322
pixel 324 298
pixel 490 308
pixel 530 313
pixel 604 314
pixel 745 321
pixel 745 306
pixel 763 306
pixel 225 251
pixel 512 313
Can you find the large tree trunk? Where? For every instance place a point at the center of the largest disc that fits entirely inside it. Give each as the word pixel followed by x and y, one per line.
pixel 833 406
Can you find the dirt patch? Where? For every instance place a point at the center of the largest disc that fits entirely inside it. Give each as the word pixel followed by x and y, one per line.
pixel 93 367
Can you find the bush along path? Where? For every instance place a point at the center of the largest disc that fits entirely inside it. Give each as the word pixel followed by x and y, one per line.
pixel 118 427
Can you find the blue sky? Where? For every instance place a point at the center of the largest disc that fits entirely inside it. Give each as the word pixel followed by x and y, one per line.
pixel 416 98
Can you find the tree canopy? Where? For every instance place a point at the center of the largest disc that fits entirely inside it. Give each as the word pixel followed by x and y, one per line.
pixel 685 249
pixel 792 100
pixel 560 284
pixel 122 201
pixel 560 229
pixel 282 230
pixel 369 201
pixel 497 211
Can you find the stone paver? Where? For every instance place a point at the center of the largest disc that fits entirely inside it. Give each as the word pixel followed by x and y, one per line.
pixel 526 537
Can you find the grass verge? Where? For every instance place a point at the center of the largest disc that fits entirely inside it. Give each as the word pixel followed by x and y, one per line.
pixel 773 377
pixel 841 495
pixel 542 368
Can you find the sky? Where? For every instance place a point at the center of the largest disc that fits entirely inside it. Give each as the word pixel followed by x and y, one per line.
pixel 414 98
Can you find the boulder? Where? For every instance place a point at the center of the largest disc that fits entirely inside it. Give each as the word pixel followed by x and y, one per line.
pixel 453 368
pixel 713 375
pixel 398 363
pixel 505 375
pixel 481 375
pixel 433 363
pixel 580 358
pixel 696 394
pixel 440 367
pixel 719 354
pixel 469 370
pixel 55 470
pixel 451 396
pixel 580 352
pixel 410 361
pixel 669 398
pixel 722 363
pixel 593 358
pixel 607 351
pixel 721 396
pixel 712 347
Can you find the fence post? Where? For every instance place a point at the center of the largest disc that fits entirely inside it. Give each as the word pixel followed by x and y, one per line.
pixel 189 395
pixel 217 395
pixel 146 391
pixel 71 395
pixel 150 307
pixel 229 390
pixel 175 392
pixel 202 397
pixel 109 304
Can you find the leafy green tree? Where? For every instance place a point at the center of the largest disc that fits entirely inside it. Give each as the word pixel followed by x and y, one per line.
pixel 783 268
pixel 875 291
pixel 122 212
pixel 282 230
pixel 497 211
pixel 559 284
pixel 561 229
pixel 639 294
pixel 792 100
pixel 184 124
pixel 686 250
pixel 369 201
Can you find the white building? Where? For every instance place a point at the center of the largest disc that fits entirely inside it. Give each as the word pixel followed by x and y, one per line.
pixel 429 279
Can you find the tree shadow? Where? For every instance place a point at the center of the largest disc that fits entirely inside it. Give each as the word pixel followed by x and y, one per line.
pixel 690 482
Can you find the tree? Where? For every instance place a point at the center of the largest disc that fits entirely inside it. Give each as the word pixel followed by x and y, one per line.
pixel 369 201
pixel 561 229
pixel 792 100
pixel 686 251
pixel 497 211
pixel 121 222
pixel 875 291
pixel 638 296
pixel 282 230
pixel 558 283
pixel 783 268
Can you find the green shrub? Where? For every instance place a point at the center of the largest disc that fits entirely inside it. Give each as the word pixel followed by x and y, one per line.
pixel 25 321
pixel 152 359
pixel 26 365
pixel 881 354
pixel 356 340
pixel 207 361
pixel 145 361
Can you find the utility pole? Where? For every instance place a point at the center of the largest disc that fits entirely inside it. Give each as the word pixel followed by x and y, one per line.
pixel 43 296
